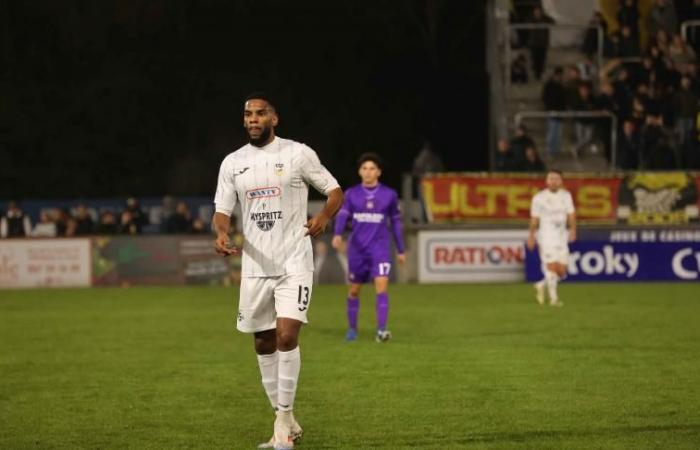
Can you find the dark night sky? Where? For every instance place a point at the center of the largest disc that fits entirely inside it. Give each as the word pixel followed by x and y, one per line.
pixel 144 97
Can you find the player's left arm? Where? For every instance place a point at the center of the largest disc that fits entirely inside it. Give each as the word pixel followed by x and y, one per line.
pixel 397 228
pixel 320 178
pixel 571 219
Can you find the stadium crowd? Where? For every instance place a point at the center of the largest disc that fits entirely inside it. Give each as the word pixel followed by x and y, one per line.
pixel 650 81
pixel 174 218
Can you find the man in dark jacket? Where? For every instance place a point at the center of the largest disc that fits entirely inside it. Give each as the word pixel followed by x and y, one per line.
pixel 554 99
pixel 14 223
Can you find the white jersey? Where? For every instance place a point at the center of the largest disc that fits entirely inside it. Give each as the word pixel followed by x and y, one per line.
pixel 552 209
pixel 272 185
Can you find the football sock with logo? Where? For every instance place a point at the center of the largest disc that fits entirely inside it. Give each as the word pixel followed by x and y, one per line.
pixel 552 279
pixel 382 310
pixel 289 367
pixel 268 370
pixel 353 310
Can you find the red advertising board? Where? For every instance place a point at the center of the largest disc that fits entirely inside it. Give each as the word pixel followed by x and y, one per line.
pixel 506 198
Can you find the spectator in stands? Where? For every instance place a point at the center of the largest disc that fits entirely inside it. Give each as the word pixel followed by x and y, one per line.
pixel 658 151
pixel 588 69
pixel 628 46
pixel 605 101
pixel 128 224
pixel 590 40
pixel 505 161
pixel 628 16
pixel 427 161
pixel 107 224
pixel 84 223
pixel 628 146
pixel 136 217
pixel 14 223
pixel 533 162
pixel 680 53
pixel 518 70
pixel 46 227
pixel 572 78
pixel 181 221
pixel 663 17
pixel 198 227
pixel 520 142
pixel 538 41
pixel 583 127
pixel 554 99
pixel 65 223
pixel 685 105
pixel 167 210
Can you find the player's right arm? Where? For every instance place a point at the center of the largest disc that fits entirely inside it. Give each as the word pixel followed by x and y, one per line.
pixel 225 201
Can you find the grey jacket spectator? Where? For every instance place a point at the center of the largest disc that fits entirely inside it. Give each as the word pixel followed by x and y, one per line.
pixel 427 161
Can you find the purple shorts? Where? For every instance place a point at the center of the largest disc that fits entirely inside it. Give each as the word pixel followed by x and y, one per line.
pixel 363 267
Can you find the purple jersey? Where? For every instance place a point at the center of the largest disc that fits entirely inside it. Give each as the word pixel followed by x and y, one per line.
pixel 370 209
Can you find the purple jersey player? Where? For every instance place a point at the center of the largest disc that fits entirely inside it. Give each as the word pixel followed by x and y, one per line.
pixel 370 205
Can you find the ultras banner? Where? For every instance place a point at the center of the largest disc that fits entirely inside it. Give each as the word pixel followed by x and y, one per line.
pixel 634 199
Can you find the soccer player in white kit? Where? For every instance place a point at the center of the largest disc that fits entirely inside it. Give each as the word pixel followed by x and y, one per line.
pixel 270 177
pixel 553 219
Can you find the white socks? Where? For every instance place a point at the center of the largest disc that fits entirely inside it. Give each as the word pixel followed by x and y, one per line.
pixel 268 370
pixel 552 280
pixel 288 372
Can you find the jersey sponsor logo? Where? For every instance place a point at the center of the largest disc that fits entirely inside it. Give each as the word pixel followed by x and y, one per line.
pixel 606 261
pixel 266 220
pixel 368 217
pixel 265 192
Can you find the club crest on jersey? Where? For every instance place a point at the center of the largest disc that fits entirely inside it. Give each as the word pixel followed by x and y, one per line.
pixel 279 169
pixel 264 192
pixel 266 220
pixel 370 204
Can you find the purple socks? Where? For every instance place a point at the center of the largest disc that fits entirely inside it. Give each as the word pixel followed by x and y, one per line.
pixel 353 309
pixel 382 310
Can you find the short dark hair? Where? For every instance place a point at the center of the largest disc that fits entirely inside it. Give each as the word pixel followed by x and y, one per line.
pixel 376 159
pixel 260 95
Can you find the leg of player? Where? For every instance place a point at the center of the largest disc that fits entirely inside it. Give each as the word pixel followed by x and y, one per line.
pixel 552 277
pixel 353 311
pixel 268 356
pixel 380 285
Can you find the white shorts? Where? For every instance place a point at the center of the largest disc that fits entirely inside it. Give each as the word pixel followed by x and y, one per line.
pixel 554 253
pixel 263 300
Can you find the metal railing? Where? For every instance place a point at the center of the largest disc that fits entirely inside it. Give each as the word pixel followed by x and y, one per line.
pixel 538 26
pixel 687 25
pixel 519 116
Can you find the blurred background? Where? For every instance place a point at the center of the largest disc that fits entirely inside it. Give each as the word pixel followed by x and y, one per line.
pixel 115 115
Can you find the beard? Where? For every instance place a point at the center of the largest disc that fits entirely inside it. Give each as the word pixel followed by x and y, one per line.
pixel 261 140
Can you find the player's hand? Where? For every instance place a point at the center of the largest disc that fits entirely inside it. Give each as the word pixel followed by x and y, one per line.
pixel 337 242
pixel 316 225
pixel 223 246
pixel 401 258
pixel 530 243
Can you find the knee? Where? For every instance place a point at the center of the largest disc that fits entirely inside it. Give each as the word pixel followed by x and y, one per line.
pixel 286 340
pixel 265 345
pixel 354 291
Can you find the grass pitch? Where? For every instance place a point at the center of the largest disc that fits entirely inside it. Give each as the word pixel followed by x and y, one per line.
pixel 477 367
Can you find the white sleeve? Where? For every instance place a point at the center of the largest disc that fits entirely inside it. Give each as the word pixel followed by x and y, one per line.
pixel 226 196
pixel 569 203
pixel 314 173
pixel 535 210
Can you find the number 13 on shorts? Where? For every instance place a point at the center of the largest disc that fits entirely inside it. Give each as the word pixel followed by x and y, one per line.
pixel 384 269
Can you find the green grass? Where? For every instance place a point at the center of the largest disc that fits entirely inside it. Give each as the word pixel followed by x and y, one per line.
pixel 470 367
